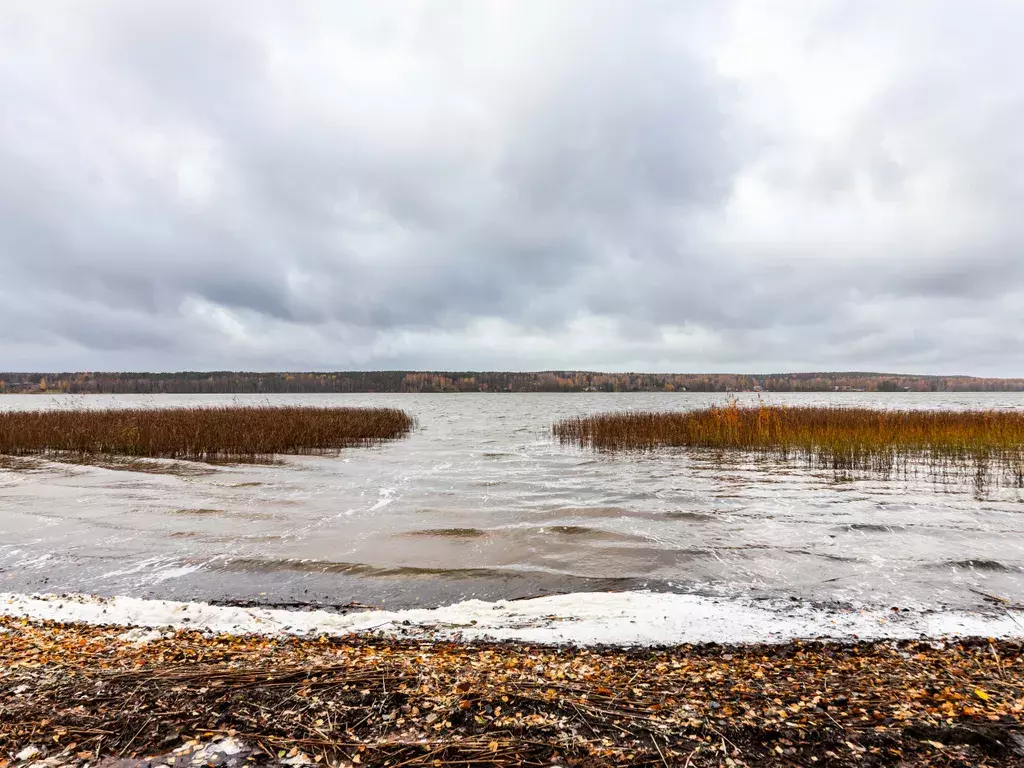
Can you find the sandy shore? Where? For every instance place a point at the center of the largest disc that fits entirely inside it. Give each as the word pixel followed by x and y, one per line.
pixel 77 693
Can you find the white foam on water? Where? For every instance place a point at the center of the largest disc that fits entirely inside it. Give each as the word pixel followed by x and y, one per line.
pixel 387 495
pixel 617 618
pixel 175 572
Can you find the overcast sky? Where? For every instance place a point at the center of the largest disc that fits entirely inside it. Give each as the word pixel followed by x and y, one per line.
pixel 652 185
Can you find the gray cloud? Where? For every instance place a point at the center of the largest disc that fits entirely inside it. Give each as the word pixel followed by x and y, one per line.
pixel 584 183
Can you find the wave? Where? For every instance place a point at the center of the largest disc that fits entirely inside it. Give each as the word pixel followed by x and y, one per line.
pixel 873 527
pixel 697 517
pixel 247 514
pixel 455 533
pixel 296 565
pixel 993 566
pixel 576 530
pixel 608 512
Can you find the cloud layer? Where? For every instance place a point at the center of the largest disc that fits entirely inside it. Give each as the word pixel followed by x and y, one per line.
pixel 642 185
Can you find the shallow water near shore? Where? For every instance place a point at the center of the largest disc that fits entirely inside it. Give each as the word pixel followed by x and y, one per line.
pixel 481 502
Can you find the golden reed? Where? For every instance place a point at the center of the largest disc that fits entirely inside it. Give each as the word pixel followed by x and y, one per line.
pixel 853 440
pixel 244 434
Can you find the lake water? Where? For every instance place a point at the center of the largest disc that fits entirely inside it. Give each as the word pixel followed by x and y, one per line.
pixel 480 502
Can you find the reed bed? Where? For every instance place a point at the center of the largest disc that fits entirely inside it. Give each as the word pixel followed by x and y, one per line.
pixel 241 434
pixel 985 445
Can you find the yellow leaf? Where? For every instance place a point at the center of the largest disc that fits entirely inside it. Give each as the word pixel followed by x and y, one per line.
pixel 493 746
pixel 981 694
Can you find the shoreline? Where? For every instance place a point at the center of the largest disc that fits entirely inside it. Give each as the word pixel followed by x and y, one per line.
pixel 627 619
pixel 77 694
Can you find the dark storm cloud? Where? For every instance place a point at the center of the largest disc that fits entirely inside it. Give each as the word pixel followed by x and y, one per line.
pixel 647 185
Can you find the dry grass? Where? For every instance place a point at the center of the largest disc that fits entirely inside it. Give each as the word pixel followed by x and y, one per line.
pixel 984 445
pixel 244 434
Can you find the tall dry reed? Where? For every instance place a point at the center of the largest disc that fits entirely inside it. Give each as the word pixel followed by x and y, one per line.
pixel 244 434
pixel 979 443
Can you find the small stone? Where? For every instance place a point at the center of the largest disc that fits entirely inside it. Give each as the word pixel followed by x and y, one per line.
pixel 229 746
pixel 28 753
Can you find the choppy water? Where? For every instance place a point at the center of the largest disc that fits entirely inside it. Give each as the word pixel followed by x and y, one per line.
pixel 481 502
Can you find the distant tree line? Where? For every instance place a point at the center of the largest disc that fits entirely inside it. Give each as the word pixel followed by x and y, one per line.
pixel 231 382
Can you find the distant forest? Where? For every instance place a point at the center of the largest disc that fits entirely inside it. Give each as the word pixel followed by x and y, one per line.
pixel 216 382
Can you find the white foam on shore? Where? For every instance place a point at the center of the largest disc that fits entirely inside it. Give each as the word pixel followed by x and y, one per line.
pixel 619 618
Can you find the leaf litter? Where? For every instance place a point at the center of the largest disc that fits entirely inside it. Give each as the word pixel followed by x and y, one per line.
pixel 74 694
